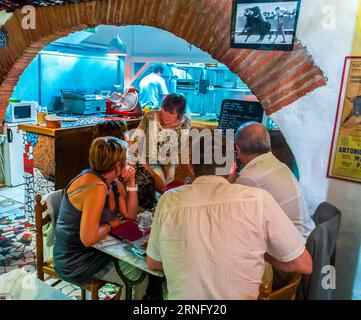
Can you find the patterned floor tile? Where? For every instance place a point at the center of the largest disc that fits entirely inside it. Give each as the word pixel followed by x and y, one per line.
pixel 17 247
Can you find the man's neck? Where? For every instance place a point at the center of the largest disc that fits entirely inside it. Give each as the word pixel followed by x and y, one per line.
pixel 247 158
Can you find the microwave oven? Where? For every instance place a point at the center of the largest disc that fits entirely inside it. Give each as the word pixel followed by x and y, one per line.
pixel 25 111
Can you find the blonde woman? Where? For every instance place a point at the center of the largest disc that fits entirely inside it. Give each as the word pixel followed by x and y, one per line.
pixel 90 209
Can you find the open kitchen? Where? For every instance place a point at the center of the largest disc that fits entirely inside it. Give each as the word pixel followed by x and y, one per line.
pixel 77 81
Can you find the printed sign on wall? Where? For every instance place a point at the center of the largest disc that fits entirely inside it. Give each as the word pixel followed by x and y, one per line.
pixel 345 153
pixel 264 24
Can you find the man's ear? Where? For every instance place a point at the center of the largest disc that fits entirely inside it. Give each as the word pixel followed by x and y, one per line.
pixel 191 170
pixel 238 150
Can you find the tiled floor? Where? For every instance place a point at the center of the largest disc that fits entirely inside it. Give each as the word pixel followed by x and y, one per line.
pixel 17 241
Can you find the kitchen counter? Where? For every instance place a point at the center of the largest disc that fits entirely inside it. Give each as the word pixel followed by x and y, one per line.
pixel 52 157
pixel 131 123
pixel 76 125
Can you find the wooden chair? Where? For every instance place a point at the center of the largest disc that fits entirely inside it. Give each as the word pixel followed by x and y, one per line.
pixel 47 267
pixel 288 292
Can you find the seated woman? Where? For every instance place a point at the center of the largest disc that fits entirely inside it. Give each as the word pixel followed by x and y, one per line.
pixel 89 211
pixel 154 124
pixel 143 178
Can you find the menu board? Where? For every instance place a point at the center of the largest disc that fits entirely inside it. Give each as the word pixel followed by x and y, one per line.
pixel 236 112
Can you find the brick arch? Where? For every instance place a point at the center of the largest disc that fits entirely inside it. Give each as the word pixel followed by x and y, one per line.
pixel 276 78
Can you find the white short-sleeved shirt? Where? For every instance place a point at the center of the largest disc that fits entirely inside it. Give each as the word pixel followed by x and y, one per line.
pixel 152 87
pixel 211 237
pixel 268 173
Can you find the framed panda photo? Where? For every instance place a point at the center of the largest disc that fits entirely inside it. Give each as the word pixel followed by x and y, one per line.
pixel 264 24
pixel 3 39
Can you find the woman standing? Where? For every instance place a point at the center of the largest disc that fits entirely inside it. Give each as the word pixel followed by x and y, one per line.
pixel 164 130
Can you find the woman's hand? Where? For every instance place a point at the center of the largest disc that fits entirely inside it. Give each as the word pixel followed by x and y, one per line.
pixel 128 175
pixel 128 200
pixel 115 222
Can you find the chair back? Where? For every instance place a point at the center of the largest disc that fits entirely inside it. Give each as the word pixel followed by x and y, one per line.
pixel 287 292
pixel 324 212
pixel 321 244
pixel 40 222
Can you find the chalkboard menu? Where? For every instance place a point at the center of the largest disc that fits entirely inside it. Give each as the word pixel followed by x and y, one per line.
pixel 236 112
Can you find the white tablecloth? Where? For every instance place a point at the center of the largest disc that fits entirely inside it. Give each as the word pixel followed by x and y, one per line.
pixel 22 285
pixel 115 248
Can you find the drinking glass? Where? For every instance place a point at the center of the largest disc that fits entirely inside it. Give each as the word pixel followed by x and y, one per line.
pixel 144 224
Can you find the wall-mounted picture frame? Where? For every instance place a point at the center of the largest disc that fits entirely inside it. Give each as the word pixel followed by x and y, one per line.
pixel 345 152
pixel 264 24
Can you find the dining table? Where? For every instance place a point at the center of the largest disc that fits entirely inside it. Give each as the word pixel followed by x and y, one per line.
pixel 23 284
pixel 118 249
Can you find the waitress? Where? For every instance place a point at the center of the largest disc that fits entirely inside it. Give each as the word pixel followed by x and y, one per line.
pixel 170 116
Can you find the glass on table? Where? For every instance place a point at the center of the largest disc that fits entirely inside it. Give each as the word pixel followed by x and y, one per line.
pixel 41 117
pixel 144 224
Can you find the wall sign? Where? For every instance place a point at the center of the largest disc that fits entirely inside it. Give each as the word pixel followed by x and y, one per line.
pixel 236 112
pixel 345 153
pixel 3 40
pixel 264 24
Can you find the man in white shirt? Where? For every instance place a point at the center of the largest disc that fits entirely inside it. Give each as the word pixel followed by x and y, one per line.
pixel 153 88
pixel 211 238
pixel 263 170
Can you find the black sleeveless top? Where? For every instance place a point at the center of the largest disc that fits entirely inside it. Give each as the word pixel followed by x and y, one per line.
pixel 72 260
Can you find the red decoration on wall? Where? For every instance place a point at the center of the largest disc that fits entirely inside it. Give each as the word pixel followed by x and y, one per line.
pixel 28 163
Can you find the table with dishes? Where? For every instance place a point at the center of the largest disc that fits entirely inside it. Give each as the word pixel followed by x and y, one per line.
pixel 132 252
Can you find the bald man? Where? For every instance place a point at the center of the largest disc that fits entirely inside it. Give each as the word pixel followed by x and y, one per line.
pixel 263 170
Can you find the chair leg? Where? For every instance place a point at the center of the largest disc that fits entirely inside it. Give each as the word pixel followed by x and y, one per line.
pixel 94 292
pixel 83 294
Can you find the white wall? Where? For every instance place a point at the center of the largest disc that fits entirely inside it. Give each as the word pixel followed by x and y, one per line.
pixel 308 126
pixel 4 16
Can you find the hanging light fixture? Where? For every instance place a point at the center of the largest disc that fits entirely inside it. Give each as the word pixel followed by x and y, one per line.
pixel 116 47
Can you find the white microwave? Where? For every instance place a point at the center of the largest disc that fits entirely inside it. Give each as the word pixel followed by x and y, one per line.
pixel 22 112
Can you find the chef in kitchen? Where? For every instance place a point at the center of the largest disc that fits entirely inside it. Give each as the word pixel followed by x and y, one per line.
pixel 153 88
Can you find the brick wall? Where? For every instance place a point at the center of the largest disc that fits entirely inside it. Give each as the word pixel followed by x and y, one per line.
pixel 276 78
